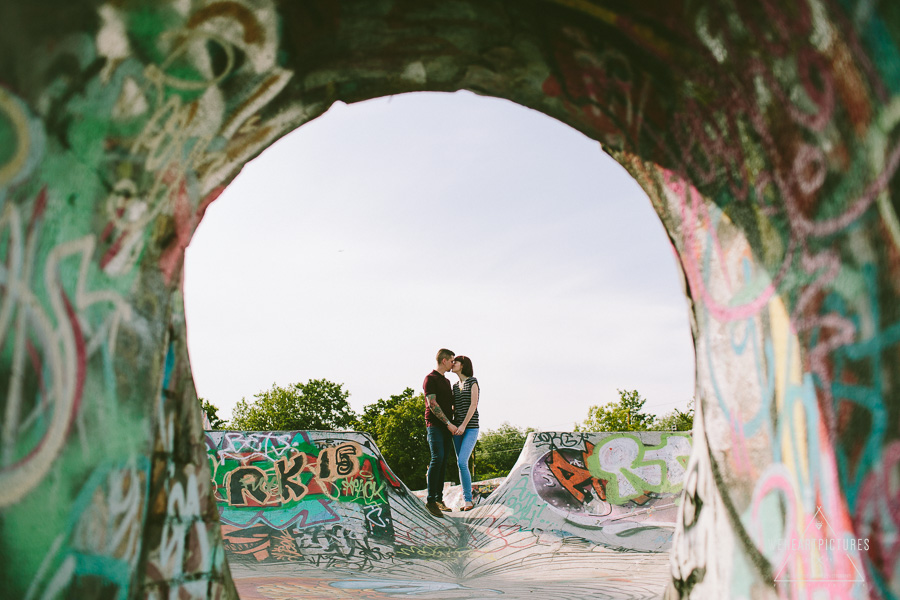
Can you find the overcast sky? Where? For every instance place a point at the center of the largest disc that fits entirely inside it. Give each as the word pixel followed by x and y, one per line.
pixel 358 245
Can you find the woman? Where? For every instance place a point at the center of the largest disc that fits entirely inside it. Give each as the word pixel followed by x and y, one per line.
pixel 465 418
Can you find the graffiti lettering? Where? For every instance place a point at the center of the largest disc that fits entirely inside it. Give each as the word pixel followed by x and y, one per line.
pixel 365 489
pixel 572 477
pixel 292 488
pixel 246 487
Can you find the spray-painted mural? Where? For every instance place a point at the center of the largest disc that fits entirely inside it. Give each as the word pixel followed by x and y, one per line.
pixel 319 514
pixel 620 483
pixel 764 134
pixel 269 484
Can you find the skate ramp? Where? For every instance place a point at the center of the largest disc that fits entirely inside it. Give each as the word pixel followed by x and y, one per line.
pixel 313 514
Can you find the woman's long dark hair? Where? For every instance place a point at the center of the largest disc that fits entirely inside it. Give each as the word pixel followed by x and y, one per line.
pixel 466 365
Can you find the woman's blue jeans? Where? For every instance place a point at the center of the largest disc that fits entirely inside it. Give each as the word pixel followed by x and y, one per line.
pixel 464 445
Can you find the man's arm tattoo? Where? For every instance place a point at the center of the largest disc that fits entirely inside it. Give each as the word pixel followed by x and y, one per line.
pixel 440 414
pixel 432 402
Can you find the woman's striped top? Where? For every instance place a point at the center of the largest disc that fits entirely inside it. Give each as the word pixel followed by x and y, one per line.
pixel 462 400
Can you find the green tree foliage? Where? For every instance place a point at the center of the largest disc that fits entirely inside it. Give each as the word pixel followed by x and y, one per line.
pixel 368 420
pixel 677 420
pixel 317 404
pixel 624 415
pixel 398 426
pixel 404 443
pixel 212 413
pixel 498 449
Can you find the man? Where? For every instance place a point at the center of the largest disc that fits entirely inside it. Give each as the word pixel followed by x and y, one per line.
pixel 438 409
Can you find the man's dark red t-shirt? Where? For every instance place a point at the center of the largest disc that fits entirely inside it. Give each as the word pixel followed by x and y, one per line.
pixel 437 384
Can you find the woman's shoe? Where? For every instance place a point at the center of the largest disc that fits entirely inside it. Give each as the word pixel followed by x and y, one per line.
pixel 468 506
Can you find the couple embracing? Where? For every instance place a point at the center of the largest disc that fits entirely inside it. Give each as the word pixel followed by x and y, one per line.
pixel 451 419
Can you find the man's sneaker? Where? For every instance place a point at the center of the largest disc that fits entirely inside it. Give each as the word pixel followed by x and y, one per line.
pixel 434 509
pixel 443 507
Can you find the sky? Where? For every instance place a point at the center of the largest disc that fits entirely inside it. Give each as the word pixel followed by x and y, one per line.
pixel 358 245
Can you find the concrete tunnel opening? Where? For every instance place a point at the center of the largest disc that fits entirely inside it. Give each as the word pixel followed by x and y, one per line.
pixel 765 137
pixel 497 151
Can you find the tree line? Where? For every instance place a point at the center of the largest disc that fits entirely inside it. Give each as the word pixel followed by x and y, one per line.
pixel 627 414
pixel 397 424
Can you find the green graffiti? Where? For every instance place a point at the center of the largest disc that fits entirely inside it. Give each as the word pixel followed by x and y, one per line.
pixel 631 469
pixel 287 477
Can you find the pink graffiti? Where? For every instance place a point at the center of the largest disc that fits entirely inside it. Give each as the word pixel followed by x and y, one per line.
pixel 877 512
pixel 801 565
pixel 805 226
pixel 835 331
pixel 741 454
pixel 690 216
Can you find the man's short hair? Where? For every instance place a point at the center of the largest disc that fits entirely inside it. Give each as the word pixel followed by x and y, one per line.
pixel 444 353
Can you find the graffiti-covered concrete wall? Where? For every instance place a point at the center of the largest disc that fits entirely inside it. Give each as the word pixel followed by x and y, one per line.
pixel 764 134
pixel 271 486
pixel 309 513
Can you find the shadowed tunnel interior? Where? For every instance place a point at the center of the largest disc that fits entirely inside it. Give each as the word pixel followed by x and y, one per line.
pixel 764 136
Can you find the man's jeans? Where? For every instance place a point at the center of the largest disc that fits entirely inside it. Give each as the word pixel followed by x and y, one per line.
pixel 440 442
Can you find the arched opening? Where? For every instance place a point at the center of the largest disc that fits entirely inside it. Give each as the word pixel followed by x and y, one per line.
pixel 355 244
pixel 475 220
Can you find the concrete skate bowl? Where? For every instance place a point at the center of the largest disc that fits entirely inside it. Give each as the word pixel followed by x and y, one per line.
pixel 763 134
pixel 320 514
